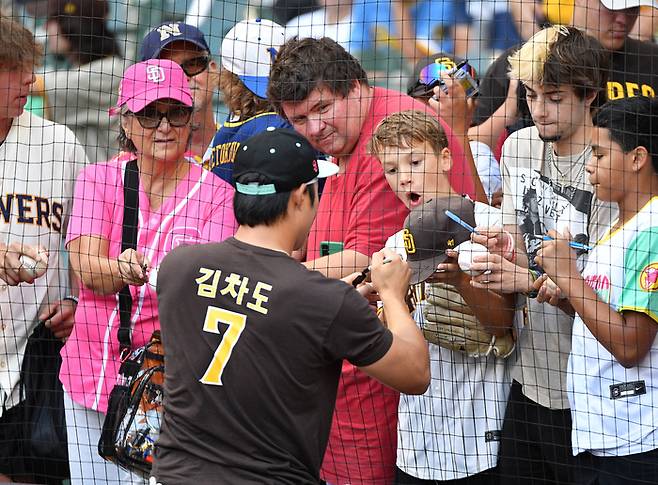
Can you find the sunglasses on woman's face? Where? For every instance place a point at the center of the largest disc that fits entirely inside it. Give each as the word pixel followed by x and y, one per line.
pixel 150 118
pixel 195 66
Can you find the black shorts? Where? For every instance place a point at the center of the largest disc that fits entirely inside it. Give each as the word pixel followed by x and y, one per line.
pixel 641 468
pixel 487 477
pixel 535 446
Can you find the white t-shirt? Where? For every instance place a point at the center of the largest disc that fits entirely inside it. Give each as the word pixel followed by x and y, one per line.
pixel 614 409
pixel 39 161
pixel 453 430
pixel 537 198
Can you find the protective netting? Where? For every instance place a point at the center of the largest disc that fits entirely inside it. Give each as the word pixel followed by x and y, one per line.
pixel 506 150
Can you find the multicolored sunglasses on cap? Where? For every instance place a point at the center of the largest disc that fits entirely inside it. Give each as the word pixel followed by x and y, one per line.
pixel 430 77
pixel 432 73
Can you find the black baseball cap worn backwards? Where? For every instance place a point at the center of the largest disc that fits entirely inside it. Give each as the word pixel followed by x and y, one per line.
pixel 429 232
pixel 284 157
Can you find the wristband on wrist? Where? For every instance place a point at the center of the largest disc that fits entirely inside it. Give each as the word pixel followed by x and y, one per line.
pixel 72 298
pixel 535 275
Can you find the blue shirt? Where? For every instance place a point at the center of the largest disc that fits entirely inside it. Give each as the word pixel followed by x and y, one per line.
pixel 227 140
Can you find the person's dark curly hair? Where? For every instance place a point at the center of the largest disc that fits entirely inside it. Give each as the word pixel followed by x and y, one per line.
pixel 303 65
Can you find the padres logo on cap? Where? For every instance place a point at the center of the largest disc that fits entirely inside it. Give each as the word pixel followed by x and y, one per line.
pixel 445 62
pixel 409 243
pixel 155 74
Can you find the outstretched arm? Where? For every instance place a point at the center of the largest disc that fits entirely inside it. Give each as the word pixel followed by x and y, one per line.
pixel 405 366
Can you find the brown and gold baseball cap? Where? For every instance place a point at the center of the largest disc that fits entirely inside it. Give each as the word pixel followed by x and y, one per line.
pixel 429 232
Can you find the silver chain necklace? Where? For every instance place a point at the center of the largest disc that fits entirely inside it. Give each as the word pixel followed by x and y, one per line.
pixel 580 161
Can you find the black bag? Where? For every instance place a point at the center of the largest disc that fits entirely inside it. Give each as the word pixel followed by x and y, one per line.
pixel 44 424
pixel 134 412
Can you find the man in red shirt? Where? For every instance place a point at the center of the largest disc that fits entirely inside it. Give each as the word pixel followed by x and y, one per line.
pixel 324 93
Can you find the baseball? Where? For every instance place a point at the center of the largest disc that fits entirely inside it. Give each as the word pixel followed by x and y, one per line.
pixel 467 251
pixel 35 268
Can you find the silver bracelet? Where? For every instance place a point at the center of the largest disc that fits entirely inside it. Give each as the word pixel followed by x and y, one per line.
pixel 72 298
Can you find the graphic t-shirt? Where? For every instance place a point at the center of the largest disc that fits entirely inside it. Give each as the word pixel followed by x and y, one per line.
pixel 615 409
pixel 254 344
pixel 543 191
pixel 634 72
pixel 220 156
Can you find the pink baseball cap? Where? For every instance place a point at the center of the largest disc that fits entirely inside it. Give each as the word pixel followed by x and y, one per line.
pixel 150 81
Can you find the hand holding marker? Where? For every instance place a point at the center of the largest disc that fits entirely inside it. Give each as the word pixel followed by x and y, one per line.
pixel 572 244
pixel 364 274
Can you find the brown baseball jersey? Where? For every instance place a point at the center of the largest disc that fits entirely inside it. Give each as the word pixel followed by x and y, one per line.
pixel 254 344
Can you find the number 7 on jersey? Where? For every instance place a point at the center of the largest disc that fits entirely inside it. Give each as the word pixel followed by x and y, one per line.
pixel 236 323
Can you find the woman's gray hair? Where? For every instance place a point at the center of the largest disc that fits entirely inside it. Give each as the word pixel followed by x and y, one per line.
pixel 127 145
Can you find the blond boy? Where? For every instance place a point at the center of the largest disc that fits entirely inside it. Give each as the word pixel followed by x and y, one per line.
pixel 451 432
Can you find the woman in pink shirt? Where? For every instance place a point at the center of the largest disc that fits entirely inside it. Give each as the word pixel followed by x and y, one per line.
pixel 179 203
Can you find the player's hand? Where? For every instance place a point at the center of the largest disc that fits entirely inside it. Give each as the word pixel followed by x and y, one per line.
pixel 133 267
pixel 494 238
pixel 390 278
pixel 556 257
pixel 12 271
pixel 59 318
pixel 449 272
pixel 499 274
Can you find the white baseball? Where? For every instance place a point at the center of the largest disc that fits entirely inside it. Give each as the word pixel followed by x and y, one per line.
pixel 467 251
pixel 32 266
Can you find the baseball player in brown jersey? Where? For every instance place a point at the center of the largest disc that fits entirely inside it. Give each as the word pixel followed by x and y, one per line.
pixel 254 341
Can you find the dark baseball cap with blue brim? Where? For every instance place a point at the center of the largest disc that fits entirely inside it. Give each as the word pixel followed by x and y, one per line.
pixel 163 35
pixel 282 156
pixel 429 233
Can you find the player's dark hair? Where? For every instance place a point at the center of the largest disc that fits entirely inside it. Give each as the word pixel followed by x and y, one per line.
pixel 303 65
pixel 631 122
pixel 262 210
